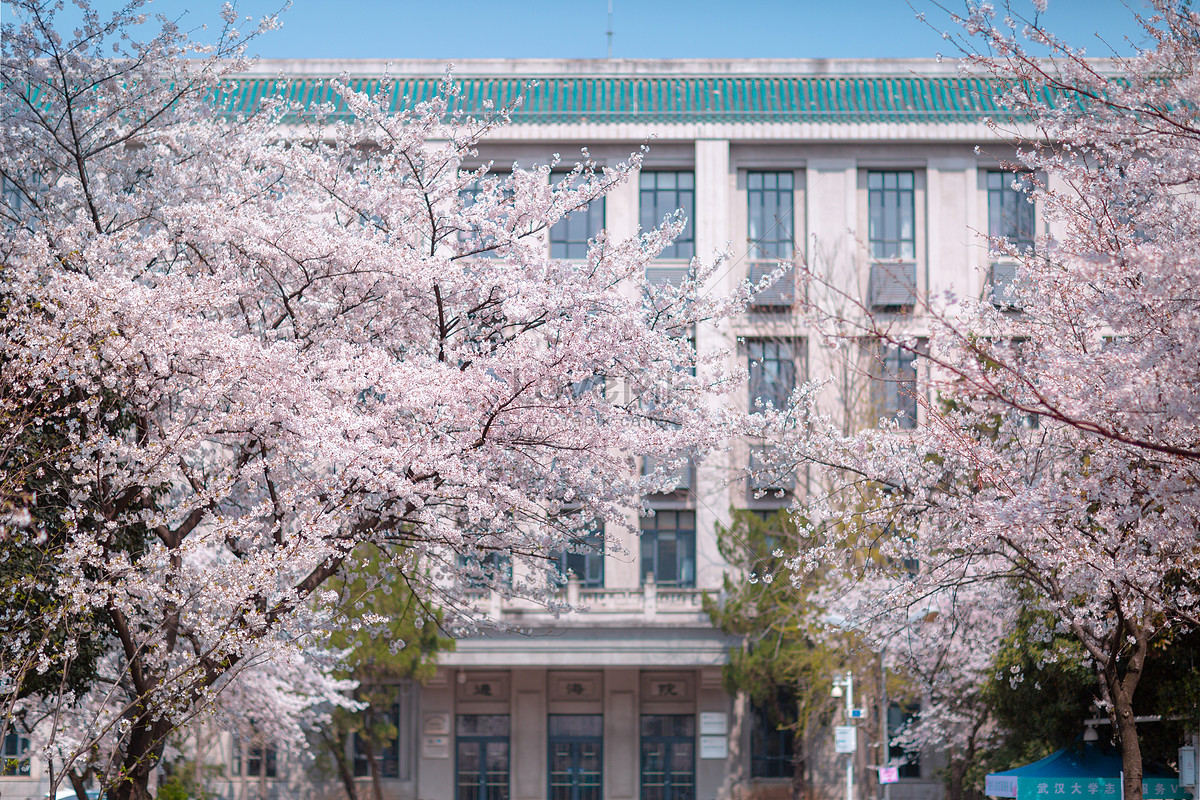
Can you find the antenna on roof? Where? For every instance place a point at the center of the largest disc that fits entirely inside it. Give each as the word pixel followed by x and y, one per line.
pixel 609 32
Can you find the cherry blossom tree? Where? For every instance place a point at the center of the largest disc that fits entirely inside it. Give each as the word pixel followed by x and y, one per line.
pixel 1059 445
pixel 273 338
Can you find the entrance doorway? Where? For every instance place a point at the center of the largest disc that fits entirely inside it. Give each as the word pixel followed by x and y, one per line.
pixel 668 757
pixel 576 756
pixel 482 750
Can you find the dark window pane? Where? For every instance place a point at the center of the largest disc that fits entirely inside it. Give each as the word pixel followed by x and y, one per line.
pixel 585 559
pixel 570 235
pixel 1010 214
pixel 898 715
pixel 669 547
pixel 668 750
pixel 895 386
pixel 576 726
pixel 772 736
pixel 772 368
pixel 662 193
pixel 483 756
pixel 770 215
pixel 891 217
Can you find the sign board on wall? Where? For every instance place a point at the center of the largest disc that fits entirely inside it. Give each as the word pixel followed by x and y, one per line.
pixel 713 723
pixel 435 747
pixel 714 747
pixel 1187 766
pixel 437 723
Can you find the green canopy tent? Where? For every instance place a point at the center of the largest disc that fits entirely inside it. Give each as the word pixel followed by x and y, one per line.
pixel 1078 773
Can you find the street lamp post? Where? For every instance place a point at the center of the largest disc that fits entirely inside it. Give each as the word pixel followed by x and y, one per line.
pixel 848 684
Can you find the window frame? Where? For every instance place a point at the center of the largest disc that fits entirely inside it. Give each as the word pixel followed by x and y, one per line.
pixel 481 740
pixel 255 760
pixel 780 741
pixel 905 197
pixel 560 233
pixel 14 756
pixel 760 351
pixel 653 534
pixel 1000 193
pixel 683 248
pixel 390 755
pixel 591 561
pixel 575 743
pixel 764 247
pixel 897 715
pixel 669 789
pixel 893 370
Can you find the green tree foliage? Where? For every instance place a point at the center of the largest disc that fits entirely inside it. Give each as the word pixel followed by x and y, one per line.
pixel 788 656
pixel 1045 687
pixel 392 637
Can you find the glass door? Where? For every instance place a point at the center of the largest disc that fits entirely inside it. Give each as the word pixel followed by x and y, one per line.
pixel 668 757
pixel 482 749
pixel 576 756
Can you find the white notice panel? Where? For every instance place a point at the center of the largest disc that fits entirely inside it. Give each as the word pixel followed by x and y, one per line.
pixel 712 723
pixel 714 747
pixel 845 739
pixel 435 747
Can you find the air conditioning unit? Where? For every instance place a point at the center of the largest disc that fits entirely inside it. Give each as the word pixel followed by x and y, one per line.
pixel 780 295
pixel 893 284
pixel 673 274
pixel 769 479
pixel 682 476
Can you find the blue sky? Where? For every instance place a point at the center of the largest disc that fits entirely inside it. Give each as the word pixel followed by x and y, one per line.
pixel 457 29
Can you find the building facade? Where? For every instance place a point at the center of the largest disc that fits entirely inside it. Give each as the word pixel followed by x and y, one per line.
pixel 881 176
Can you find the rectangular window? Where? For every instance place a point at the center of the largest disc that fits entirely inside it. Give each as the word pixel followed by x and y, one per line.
pixel 767 473
pixel 773 736
pixel 260 761
pixel 668 757
pixel 679 478
pixel 894 386
pixel 482 757
pixel 14 759
pixel 770 215
pixel 661 193
pixel 474 241
pixel 892 216
pixel 1010 216
pixel 569 236
pixel 383 746
pixel 1010 212
pixel 772 367
pixel 584 559
pixel 771 233
pixel 898 714
pixel 669 547
pixel 492 568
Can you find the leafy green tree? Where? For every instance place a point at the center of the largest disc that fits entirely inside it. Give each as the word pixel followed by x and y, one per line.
pixel 392 637
pixel 788 654
pixel 1044 688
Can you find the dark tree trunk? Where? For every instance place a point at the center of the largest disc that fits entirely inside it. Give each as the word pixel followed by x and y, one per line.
pixel 369 748
pixel 1118 690
pixel 337 749
pixel 958 771
pixel 77 783
pixel 1131 749
pixel 141 757
pixel 799 784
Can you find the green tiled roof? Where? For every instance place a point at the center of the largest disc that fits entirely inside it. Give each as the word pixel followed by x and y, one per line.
pixel 664 99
